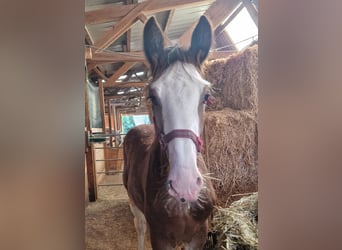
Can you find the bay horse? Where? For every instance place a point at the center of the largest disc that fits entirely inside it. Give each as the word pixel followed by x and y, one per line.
pixel 164 173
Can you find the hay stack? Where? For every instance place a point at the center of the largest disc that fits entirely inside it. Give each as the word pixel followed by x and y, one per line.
pixel 237 226
pixel 231 152
pixel 234 80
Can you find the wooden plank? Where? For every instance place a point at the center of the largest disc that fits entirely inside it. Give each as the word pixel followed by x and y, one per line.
pixel 88 37
pixel 91 176
pixel 91 171
pixel 91 66
pixel 112 57
pixel 126 85
pixel 114 13
pixel 120 27
pixel 142 17
pixel 216 13
pixel 122 70
pixel 219 11
pixel 222 26
pixel 110 121
pixel 100 74
pixel 104 57
pixel 102 106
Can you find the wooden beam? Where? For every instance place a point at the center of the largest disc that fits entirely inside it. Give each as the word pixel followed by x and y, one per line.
pixel 120 27
pixel 91 66
pixel 114 13
pixel 105 57
pixel 251 10
pixel 102 106
pixel 90 166
pixel 132 57
pixel 112 57
pixel 88 37
pixel 216 13
pixel 122 70
pixel 100 74
pixel 222 26
pixel 142 17
pixel 126 84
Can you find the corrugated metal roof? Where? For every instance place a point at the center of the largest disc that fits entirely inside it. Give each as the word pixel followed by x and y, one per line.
pixel 183 19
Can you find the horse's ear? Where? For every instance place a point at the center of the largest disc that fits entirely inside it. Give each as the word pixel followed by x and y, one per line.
pixel 200 41
pixel 153 42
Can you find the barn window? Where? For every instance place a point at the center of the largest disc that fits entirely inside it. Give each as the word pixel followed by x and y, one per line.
pixel 242 30
pixel 130 121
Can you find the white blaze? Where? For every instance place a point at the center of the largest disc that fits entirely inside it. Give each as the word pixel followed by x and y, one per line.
pixel 180 89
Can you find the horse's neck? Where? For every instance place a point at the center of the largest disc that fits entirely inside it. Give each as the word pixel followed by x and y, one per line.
pixel 159 162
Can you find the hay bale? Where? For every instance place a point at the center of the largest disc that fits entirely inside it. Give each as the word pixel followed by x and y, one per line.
pixel 231 152
pixel 234 80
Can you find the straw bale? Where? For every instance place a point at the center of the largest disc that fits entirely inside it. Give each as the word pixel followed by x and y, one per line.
pixel 231 152
pixel 237 226
pixel 234 80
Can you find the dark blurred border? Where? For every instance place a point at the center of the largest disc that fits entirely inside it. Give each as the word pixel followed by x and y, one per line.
pixel 42 123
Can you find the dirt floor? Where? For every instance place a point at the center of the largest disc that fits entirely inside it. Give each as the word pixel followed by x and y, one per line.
pixel 109 221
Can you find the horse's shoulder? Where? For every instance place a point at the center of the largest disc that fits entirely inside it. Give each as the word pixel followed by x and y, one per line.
pixel 141 134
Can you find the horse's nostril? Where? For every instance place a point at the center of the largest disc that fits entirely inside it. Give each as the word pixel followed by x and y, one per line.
pixel 199 181
pixel 169 185
pixel 182 199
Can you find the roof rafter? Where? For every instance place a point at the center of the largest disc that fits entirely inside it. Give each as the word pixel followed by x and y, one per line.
pixel 120 27
pixel 126 85
pixel 114 13
pixel 105 57
pixel 122 70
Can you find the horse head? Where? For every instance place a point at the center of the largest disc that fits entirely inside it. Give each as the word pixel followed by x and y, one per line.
pixel 178 94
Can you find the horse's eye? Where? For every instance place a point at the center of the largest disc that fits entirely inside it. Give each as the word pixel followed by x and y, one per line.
pixel 153 100
pixel 206 98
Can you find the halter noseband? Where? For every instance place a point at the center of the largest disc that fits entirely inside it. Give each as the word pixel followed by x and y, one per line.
pixel 181 133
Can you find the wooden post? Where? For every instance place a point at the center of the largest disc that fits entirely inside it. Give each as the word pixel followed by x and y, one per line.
pixel 91 172
pixel 102 106
pixel 110 121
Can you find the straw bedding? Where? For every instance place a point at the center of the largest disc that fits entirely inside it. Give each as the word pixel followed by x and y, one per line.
pixel 236 226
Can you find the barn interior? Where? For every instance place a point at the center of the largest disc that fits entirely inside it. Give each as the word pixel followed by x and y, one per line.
pixel 116 75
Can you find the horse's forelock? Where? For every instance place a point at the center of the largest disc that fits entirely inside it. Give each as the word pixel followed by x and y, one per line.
pixel 170 56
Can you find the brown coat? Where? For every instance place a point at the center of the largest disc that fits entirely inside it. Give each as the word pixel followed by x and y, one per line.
pixel 145 177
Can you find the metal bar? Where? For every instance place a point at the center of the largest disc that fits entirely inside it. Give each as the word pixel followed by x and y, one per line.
pixel 107 134
pixel 109 172
pixel 110 160
pixel 110 184
pixel 107 148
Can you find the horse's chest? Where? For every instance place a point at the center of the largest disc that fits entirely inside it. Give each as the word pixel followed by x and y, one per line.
pixel 177 223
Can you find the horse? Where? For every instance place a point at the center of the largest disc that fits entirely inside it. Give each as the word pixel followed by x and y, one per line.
pixel 165 176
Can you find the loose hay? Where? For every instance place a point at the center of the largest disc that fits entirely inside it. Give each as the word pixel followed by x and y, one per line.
pixel 234 80
pixel 231 152
pixel 236 226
